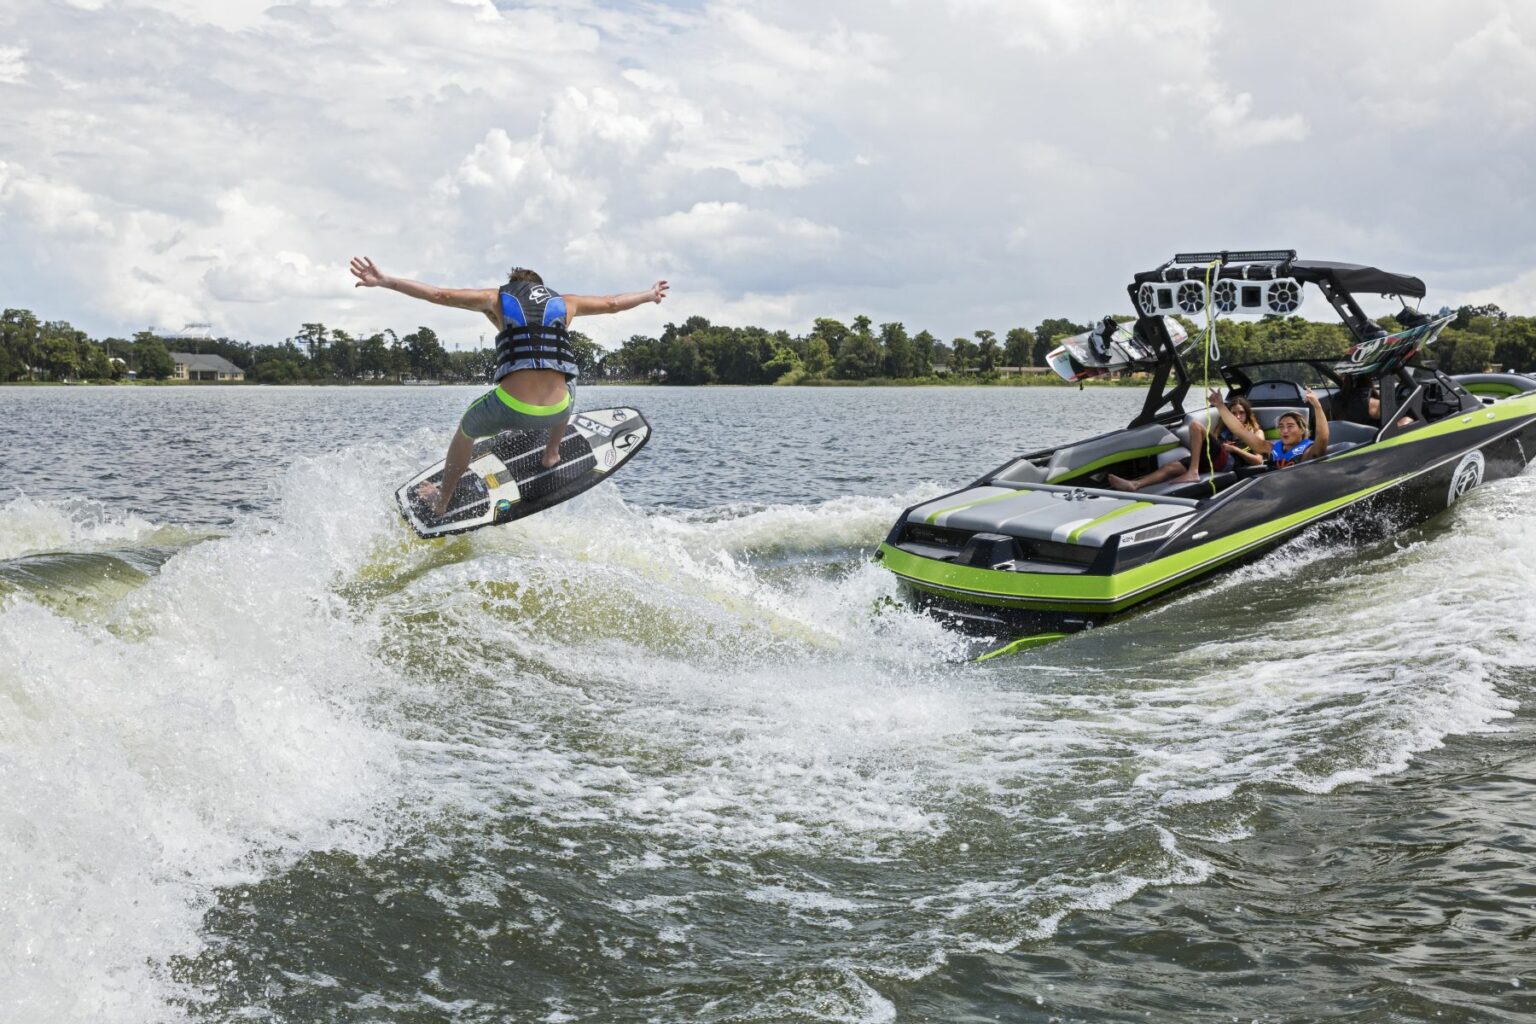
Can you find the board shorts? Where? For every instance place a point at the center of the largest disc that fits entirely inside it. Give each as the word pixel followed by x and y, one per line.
pixel 496 411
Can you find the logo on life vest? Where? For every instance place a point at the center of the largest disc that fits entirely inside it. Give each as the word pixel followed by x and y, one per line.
pixel 539 293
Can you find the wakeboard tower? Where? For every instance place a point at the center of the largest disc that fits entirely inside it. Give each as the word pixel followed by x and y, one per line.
pixel 1043 546
pixel 506 479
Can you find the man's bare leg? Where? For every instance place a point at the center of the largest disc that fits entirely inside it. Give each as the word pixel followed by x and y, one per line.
pixel 453 468
pixel 552 449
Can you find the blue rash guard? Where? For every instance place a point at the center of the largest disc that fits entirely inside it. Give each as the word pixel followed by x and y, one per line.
pixel 1280 456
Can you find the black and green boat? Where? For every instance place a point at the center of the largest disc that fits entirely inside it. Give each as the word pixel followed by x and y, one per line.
pixel 1042 546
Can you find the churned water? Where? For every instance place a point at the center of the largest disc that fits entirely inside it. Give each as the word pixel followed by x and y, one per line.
pixel 665 754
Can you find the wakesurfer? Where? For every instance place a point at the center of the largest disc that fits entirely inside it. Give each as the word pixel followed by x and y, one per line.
pixel 535 374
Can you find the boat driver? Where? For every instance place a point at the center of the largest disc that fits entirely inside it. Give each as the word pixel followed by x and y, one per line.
pixel 1373 408
pixel 535 365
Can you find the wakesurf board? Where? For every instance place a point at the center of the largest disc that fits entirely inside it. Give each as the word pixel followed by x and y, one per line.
pixel 506 479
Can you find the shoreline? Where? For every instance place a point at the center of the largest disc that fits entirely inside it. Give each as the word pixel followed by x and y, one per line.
pixel 1030 381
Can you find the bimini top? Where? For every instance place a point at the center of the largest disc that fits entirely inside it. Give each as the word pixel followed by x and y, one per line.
pixel 1272 264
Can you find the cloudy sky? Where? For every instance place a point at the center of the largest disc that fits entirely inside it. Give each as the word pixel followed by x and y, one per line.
pixel 953 164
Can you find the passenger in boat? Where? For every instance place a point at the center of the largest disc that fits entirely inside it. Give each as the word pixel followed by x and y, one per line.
pixel 1295 444
pixel 1373 409
pixel 1204 457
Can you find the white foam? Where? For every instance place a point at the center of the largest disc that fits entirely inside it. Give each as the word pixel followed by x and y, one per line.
pixel 29 527
pixel 207 733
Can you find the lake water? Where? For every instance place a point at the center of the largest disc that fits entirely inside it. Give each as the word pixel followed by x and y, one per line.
pixel 658 755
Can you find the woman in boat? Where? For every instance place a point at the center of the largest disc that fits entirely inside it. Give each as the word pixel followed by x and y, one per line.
pixel 1204 457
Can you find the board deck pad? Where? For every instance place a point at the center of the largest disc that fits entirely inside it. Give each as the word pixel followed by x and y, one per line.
pixel 506 479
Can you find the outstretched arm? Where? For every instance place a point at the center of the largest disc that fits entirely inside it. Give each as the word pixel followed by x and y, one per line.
pixel 1250 436
pixel 1320 441
pixel 587 305
pixel 481 300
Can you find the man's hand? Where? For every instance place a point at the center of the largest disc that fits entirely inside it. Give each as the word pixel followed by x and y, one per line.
pixel 1214 398
pixel 368 275
pixel 1311 398
pixel 658 291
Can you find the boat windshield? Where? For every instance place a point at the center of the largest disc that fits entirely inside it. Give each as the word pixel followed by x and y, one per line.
pixel 1302 374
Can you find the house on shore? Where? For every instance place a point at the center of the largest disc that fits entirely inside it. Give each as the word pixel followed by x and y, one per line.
pixel 191 366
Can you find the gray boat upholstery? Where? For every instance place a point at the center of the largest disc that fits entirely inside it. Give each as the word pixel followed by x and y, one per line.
pixel 1346 430
pixel 1043 512
pixel 1022 472
pixel 1079 460
pixel 1200 487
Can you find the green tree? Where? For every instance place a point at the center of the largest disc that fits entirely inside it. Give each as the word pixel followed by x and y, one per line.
pixel 373 357
pixel 923 354
pixel 589 354
pixel 94 364
pixel 425 354
pixel 986 351
pixel 153 360
pixel 860 357
pixel 1514 343
pixel 832 332
pixel 900 358
pixel 965 356
pixel 818 357
pixel 20 335
pixel 1018 347
pixel 783 363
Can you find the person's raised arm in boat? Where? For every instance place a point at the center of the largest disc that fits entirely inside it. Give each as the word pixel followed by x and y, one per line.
pixel 1246 430
pixel 1320 441
pixel 536 370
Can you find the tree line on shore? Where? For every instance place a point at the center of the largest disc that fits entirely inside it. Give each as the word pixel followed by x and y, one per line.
pixel 699 352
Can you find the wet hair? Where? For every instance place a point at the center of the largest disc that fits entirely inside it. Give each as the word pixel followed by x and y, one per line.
pixel 1301 421
pixel 517 274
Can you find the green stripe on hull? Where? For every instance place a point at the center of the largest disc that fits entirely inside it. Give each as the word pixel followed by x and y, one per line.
pixel 1052 592
pixel 1106 517
pixel 934 518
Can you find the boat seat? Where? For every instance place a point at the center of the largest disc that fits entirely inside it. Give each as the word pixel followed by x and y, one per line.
pixel 1342 446
pixel 1197 488
pixel 1079 460
pixel 1269 417
pixel 1354 433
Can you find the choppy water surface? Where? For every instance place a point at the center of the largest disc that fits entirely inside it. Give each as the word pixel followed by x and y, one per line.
pixel 654 756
